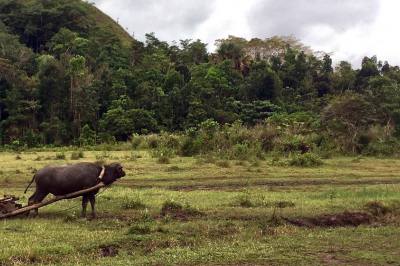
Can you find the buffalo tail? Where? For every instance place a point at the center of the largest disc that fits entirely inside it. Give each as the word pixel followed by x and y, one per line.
pixel 33 179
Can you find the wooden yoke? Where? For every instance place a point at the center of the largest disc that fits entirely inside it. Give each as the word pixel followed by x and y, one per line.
pixel 51 201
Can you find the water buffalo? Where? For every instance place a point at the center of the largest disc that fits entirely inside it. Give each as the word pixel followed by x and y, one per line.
pixel 63 180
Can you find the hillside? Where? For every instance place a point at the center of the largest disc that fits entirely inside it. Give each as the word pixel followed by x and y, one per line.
pixel 35 22
pixel 105 22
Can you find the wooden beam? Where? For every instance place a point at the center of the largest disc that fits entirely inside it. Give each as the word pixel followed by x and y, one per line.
pixel 51 201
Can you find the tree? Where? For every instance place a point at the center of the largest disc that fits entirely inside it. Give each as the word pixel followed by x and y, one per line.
pixel 262 83
pixel 121 120
pixel 344 78
pixel 347 117
pixel 193 52
pixel 369 69
pixel 324 77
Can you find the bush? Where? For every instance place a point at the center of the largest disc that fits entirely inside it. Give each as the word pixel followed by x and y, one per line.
pixel 170 141
pixel 88 136
pixel 152 141
pixel 107 138
pixel 245 151
pixel 136 140
pixel 141 229
pixel 223 164
pixel 163 160
pixel 294 144
pixel 245 201
pixel 60 156
pixel 305 160
pixel 76 155
pixel 162 152
pixel 382 148
pixel 190 147
pixel 267 136
pixel 133 204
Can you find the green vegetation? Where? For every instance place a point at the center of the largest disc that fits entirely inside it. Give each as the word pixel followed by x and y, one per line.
pixel 232 157
pixel 189 213
pixel 72 76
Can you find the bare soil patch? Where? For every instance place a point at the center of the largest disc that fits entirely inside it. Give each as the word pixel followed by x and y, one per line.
pixel 334 220
pixel 179 212
pixel 109 251
pixel 238 184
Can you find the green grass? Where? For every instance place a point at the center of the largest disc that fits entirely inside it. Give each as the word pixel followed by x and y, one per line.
pixel 212 226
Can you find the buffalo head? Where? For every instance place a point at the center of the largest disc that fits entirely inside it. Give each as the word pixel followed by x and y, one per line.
pixel 113 172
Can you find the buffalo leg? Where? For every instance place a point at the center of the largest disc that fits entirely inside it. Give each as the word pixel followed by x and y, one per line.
pixel 92 199
pixel 85 200
pixel 37 197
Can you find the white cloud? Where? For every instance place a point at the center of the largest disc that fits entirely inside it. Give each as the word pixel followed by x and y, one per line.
pixel 228 18
pixel 377 38
pixel 350 29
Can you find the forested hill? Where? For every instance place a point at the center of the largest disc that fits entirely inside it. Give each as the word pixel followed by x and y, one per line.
pixel 69 71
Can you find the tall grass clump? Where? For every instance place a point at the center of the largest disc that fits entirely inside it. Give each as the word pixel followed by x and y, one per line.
pixel 136 141
pixel 165 147
pixel 305 160
pixel 60 156
pixel 233 142
pixel 76 155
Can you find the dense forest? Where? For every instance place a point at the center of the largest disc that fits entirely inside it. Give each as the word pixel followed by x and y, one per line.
pixel 68 72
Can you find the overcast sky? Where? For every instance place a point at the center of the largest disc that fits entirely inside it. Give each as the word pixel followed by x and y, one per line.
pixel 349 29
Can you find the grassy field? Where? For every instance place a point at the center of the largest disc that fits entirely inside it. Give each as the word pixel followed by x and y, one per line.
pixel 202 211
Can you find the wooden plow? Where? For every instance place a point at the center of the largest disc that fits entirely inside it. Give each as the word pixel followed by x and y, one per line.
pixel 9 207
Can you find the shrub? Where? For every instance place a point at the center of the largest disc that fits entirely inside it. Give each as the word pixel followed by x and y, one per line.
pixel 152 141
pixel 190 147
pixel 136 140
pixel 294 144
pixel 377 208
pixel 17 145
pixel 105 137
pixel 162 152
pixel 245 151
pixel 170 141
pixel 133 204
pixel 305 160
pixel 245 201
pixel 223 164
pixel 382 148
pixel 140 229
pixel 164 160
pixel 88 136
pixel 60 156
pixel 76 155
pixel 267 136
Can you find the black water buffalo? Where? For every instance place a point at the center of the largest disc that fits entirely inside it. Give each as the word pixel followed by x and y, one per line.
pixel 63 180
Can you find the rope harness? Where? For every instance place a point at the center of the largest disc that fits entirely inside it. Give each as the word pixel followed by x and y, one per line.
pixel 103 171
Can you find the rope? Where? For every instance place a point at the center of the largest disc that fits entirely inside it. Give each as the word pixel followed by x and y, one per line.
pixel 77 205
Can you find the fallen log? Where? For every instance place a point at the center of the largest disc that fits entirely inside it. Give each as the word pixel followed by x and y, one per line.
pixel 51 201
